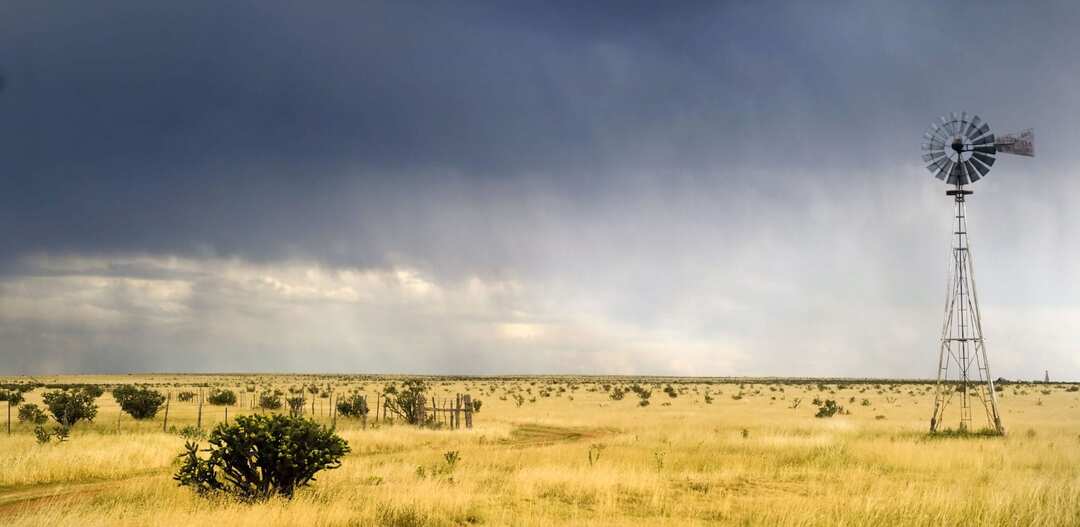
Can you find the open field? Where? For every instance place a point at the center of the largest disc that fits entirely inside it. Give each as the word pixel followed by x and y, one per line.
pixel 746 457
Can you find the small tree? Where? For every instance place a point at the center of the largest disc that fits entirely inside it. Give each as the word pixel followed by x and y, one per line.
pixel 296 404
pixel 261 456
pixel 406 402
pixel 139 402
pixel 270 401
pixel 70 406
pixel 185 396
pixel 222 398
pixel 13 398
pixel 354 405
pixel 32 414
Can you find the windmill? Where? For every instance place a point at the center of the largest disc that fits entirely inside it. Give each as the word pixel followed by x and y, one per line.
pixel 960 150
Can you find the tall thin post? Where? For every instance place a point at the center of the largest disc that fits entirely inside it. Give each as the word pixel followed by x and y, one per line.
pixel 165 421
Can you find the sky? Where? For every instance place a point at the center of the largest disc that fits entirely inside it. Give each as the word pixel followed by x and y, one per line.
pixel 721 188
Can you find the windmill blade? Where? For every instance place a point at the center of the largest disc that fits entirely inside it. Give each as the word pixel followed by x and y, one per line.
pixel 952 123
pixel 946 124
pixel 962 173
pixel 979 132
pixel 932 156
pixel 955 173
pixel 975 122
pixel 981 167
pixel 936 165
pixel 936 132
pixel 933 144
pixel 987 160
pixel 944 170
pixel 972 173
pixel 988 139
pixel 1021 144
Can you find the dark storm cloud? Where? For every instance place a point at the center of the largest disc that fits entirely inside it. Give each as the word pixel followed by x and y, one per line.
pixel 253 128
pixel 694 173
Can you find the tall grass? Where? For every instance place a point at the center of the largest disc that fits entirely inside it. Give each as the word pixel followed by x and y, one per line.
pixel 529 465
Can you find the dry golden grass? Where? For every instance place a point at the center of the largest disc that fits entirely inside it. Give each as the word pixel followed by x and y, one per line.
pixel 748 461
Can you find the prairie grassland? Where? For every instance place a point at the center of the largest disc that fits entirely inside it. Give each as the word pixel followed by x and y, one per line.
pixel 746 458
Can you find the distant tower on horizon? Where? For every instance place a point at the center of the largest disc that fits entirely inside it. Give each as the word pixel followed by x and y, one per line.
pixel 1046 377
pixel 959 151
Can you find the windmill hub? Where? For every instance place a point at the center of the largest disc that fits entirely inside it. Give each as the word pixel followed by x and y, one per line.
pixel 963 367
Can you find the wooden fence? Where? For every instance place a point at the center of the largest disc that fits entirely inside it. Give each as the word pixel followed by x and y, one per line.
pixel 452 413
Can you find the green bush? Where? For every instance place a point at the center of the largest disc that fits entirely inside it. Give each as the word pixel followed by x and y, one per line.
pixel 32 414
pixel 261 456
pixel 192 432
pixel 185 396
pixel 92 390
pixel 354 405
pixel 270 401
pixel 13 397
pixel 406 402
pixel 828 409
pixel 296 404
pixel 71 406
pixel 139 402
pixel 221 398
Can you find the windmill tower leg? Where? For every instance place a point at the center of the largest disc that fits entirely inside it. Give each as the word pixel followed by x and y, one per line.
pixel 962 343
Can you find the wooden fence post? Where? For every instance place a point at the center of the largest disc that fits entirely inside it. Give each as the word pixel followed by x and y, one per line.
pixel 165 422
pixel 468 410
pixel 457 412
pixel 199 425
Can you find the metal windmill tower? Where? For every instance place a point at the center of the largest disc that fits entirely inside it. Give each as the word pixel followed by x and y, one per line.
pixel 960 150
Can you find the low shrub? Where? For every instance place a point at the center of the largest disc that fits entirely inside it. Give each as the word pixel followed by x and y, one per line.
pixel 261 456
pixel 829 408
pixel 139 402
pixel 32 414
pixel 296 404
pixel 270 401
pixel 222 398
pixel 354 405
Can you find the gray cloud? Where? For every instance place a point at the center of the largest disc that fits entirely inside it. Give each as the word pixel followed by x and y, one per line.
pixel 738 181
